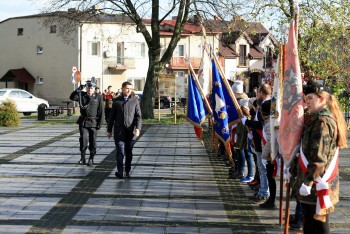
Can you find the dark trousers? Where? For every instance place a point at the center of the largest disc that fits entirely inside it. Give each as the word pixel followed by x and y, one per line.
pixel 270 167
pixel 107 113
pixel 312 225
pixel 124 150
pixel 87 137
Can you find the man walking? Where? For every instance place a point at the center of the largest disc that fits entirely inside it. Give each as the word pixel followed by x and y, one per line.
pixel 125 116
pixel 91 111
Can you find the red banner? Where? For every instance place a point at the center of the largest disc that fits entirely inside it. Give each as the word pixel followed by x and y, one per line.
pixel 292 114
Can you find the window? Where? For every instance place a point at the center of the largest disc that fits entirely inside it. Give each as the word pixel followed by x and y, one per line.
pixel 23 94
pixel 39 49
pixel 181 50
pixel 53 29
pixel 181 75
pixel 242 55
pixel 39 80
pixel 136 49
pixel 120 53
pixel 137 82
pixel 94 48
pixel 268 57
pixel 19 31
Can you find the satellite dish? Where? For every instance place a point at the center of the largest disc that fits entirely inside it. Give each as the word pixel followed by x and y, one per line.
pixel 107 54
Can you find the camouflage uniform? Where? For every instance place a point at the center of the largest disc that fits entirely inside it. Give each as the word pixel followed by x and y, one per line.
pixel 319 141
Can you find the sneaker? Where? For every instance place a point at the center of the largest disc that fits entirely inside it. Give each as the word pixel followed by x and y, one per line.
pixel 127 175
pixel 268 204
pixel 247 179
pixel 259 200
pixel 118 175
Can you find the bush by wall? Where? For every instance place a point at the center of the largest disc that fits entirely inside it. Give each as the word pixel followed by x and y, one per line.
pixel 9 116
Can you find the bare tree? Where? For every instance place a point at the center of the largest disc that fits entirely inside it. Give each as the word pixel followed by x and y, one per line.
pixel 138 11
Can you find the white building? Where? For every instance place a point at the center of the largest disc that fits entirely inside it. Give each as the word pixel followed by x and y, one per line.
pixel 37 58
pixel 109 50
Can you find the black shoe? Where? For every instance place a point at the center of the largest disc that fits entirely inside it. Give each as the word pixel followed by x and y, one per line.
pixel 239 176
pixel 268 204
pixel 296 226
pixel 118 175
pixel 127 175
pixel 90 163
pixel 82 161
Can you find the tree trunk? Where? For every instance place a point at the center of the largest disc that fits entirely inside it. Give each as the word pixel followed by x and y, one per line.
pixel 149 91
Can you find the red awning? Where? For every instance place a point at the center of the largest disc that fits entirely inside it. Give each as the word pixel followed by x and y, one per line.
pixel 20 74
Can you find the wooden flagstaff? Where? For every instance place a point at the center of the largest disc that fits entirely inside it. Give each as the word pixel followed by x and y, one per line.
pixel 287 211
pixel 281 192
pixel 280 77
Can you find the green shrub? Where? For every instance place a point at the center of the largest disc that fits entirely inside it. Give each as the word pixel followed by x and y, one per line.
pixel 9 116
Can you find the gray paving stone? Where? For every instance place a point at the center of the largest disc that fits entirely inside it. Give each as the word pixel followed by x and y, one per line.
pixel 176 186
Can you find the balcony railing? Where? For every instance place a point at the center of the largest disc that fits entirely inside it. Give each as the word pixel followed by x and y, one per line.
pixel 183 63
pixel 120 62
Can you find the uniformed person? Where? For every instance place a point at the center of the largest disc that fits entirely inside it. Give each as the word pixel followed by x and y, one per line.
pixel 91 115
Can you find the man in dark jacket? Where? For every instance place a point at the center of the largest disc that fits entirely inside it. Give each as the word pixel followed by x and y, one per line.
pixel 125 116
pixel 91 111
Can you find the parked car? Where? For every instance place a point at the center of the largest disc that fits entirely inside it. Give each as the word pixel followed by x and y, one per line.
pixel 25 102
pixel 138 94
pixel 165 102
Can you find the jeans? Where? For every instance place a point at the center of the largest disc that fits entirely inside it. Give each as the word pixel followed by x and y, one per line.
pixel 264 185
pixel 124 148
pixel 243 156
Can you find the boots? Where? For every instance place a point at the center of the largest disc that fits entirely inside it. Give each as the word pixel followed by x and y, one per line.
pixel 82 160
pixel 91 160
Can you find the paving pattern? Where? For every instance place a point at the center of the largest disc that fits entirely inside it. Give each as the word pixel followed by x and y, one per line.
pixel 177 186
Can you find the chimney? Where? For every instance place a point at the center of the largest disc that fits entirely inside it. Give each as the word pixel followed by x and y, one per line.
pixel 237 18
pixel 72 10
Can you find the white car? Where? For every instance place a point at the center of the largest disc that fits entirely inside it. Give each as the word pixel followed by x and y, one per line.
pixel 26 103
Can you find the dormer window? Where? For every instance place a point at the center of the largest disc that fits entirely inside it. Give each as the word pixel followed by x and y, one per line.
pixel 19 31
pixel 242 55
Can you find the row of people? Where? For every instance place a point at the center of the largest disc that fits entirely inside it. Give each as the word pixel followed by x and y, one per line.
pixel 324 131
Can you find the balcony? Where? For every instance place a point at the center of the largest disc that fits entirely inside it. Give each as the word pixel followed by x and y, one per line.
pixel 182 63
pixel 120 63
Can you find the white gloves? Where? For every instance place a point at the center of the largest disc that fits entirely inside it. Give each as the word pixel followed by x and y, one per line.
pixel 305 190
pixel 136 132
pixel 244 118
pixel 264 162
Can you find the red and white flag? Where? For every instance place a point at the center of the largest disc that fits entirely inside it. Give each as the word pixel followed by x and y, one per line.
pixel 292 113
pixel 204 72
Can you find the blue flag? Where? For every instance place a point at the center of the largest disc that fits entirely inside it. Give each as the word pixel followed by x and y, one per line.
pixel 196 111
pixel 226 111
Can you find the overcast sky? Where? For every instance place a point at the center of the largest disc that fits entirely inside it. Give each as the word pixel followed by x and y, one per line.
pixel 14 8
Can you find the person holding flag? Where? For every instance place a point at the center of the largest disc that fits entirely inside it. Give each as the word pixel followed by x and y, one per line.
pixel 317 178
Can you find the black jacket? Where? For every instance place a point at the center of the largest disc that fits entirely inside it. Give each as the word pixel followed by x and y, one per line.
pixel 124 116
pixel 91 108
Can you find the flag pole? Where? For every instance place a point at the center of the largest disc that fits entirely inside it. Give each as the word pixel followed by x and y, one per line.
pixel 280 78
pixel 281 192
pixel 287 211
